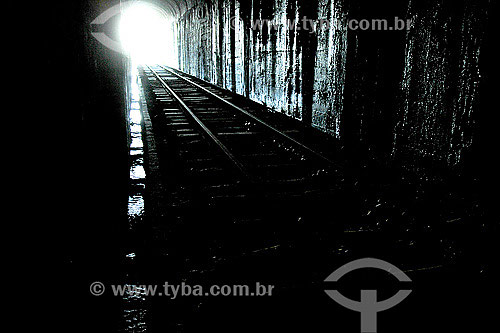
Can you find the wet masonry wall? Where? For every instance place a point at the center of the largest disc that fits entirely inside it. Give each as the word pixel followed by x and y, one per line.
pixel 407 95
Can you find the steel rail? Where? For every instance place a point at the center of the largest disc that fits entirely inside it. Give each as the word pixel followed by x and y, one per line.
pixel 207 131
pixel 260 121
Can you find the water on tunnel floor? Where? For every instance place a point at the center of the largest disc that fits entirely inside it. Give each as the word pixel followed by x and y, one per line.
pixel 133 304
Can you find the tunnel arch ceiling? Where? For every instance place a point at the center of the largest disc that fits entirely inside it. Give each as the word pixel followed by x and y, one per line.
pixel 174 8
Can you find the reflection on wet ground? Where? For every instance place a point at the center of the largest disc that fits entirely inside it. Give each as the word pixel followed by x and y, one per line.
pixel 137 173
pixel 133 305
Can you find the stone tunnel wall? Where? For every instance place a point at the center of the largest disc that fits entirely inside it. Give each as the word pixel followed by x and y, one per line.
pixel 407 94
pixel 440 80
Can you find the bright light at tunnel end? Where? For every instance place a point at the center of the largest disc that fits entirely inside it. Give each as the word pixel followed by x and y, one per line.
pixel 146 35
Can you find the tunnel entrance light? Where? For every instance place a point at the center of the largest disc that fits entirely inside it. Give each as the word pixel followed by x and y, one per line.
pixel 147 35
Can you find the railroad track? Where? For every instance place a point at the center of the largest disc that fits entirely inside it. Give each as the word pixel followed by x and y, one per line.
pixel 256 150
pixel 239 180
pixel 221 158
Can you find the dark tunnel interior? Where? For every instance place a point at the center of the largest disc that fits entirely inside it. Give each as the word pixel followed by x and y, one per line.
pixel 399 94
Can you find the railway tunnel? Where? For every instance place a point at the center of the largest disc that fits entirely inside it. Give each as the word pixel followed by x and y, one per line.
pixel 244 142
